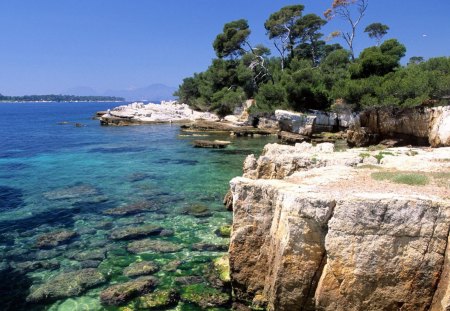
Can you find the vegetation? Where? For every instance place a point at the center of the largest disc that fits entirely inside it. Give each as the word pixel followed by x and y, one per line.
pixel 412 179
pixel 58 98
pixel 308 72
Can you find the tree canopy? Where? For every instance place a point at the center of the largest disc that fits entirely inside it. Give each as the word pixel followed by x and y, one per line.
pixel 309 72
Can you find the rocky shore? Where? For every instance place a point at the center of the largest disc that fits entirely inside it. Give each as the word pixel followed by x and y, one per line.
pixel 315 229
pixel 140 113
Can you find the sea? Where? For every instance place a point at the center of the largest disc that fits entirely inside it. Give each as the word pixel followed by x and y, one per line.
pixel 75 195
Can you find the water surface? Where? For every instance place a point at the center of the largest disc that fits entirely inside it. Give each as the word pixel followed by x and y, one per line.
pixel 58 176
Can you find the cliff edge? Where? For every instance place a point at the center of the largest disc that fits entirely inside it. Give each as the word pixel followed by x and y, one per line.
pixel 315 229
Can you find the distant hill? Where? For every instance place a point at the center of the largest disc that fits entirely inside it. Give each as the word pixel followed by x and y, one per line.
pixel 153 92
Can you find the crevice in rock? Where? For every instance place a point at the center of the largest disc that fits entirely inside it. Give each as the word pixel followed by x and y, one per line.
pixel 441 270
pixel 422 261
pixel 308 301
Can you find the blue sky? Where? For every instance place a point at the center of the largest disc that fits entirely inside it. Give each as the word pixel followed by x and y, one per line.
pixel 49 46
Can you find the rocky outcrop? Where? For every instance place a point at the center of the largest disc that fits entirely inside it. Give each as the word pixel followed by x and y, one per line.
pixel 314 121
pixel 313 230
pixel 166 112
pixel 420 126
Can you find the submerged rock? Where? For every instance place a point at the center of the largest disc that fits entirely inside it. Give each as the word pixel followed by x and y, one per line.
pixel 140 268
pixel 224 231
pixel 73 192
pixel 208 247
pixel 120 294
pixel 210 143
pixel 161 299
pixel 204 296
pixel 189 280
pixel 65 285
pixel 134 208
pixel 96 254
pixel 29 266
pixel 130 233
pixel 158 246
pixel 222 266
pixel 197 210
pixel 55 238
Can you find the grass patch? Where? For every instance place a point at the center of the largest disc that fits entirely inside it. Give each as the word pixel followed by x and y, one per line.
pixel 412 179
pixel 369 167
pixel 376 147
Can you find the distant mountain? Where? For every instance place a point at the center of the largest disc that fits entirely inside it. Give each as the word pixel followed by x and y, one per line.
pixel 81 91
pixel 154 92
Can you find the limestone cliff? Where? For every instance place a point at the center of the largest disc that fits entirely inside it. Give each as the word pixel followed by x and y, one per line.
pixel 313 230
pixel 415 126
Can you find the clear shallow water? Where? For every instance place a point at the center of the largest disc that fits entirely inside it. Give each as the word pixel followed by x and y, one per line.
pixel 62 177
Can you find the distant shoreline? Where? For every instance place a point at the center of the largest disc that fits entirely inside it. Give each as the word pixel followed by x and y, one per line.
pixel 62 101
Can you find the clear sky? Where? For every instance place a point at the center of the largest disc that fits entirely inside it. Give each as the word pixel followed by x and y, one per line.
pixel 49 46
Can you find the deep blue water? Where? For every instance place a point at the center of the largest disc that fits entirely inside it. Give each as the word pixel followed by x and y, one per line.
pixel 63 177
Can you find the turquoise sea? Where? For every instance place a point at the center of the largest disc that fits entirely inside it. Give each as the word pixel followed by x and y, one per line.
pixel 76 197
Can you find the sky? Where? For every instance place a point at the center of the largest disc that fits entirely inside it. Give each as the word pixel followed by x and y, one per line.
pixel 51 46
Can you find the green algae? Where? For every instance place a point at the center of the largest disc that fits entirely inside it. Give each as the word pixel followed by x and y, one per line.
pixel 204 296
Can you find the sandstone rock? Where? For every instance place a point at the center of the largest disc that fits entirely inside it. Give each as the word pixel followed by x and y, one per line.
pixel 328 237
pixel 140 268
pixel 120 294
pixel 279 161
pixel 66 285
